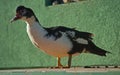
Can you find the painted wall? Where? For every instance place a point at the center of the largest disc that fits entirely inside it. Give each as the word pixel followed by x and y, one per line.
pixel 101 17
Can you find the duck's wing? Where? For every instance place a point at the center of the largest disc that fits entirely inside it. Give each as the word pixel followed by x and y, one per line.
pixel 71 32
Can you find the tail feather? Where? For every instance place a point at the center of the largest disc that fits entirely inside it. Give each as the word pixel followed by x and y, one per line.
pixel 92 48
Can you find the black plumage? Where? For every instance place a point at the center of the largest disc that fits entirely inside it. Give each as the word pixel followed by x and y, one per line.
pixel 77 47
pixel 56 32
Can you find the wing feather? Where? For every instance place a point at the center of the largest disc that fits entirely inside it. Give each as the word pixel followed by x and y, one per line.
pixel 71 32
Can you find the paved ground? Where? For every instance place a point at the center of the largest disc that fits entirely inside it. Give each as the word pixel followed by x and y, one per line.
pixel 73 69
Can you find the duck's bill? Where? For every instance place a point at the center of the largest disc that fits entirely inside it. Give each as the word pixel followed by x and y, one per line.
pixel 14 19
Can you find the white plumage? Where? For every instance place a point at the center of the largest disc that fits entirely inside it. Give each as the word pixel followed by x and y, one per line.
pixel 56 48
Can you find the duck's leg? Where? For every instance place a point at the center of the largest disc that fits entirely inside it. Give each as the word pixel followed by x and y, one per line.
pixel 59 65
pixel 69 60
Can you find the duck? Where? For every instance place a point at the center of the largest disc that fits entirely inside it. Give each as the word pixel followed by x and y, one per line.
pixel 59 41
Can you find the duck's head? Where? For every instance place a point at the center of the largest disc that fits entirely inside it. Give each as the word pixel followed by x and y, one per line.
pixel 23 13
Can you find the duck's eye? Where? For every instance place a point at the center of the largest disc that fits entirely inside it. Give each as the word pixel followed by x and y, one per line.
pixel 21 11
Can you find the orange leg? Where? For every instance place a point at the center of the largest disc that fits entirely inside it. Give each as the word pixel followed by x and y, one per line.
pixel 58 62
pixel 59 65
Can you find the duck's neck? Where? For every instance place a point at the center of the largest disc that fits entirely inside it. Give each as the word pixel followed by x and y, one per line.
pixel 31 21
pixel 34 25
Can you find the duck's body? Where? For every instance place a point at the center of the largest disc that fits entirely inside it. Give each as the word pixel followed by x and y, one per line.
pixel 38 36
pixel 57 41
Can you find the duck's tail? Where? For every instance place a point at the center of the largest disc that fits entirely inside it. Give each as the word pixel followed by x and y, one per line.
pixel 92 48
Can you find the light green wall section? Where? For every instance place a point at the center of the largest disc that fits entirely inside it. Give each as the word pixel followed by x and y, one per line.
pixel 101 17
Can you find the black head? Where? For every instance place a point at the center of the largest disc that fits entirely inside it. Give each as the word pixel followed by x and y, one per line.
pixel 23 13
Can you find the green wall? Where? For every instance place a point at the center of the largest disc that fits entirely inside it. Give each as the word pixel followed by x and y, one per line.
pixel 101 17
